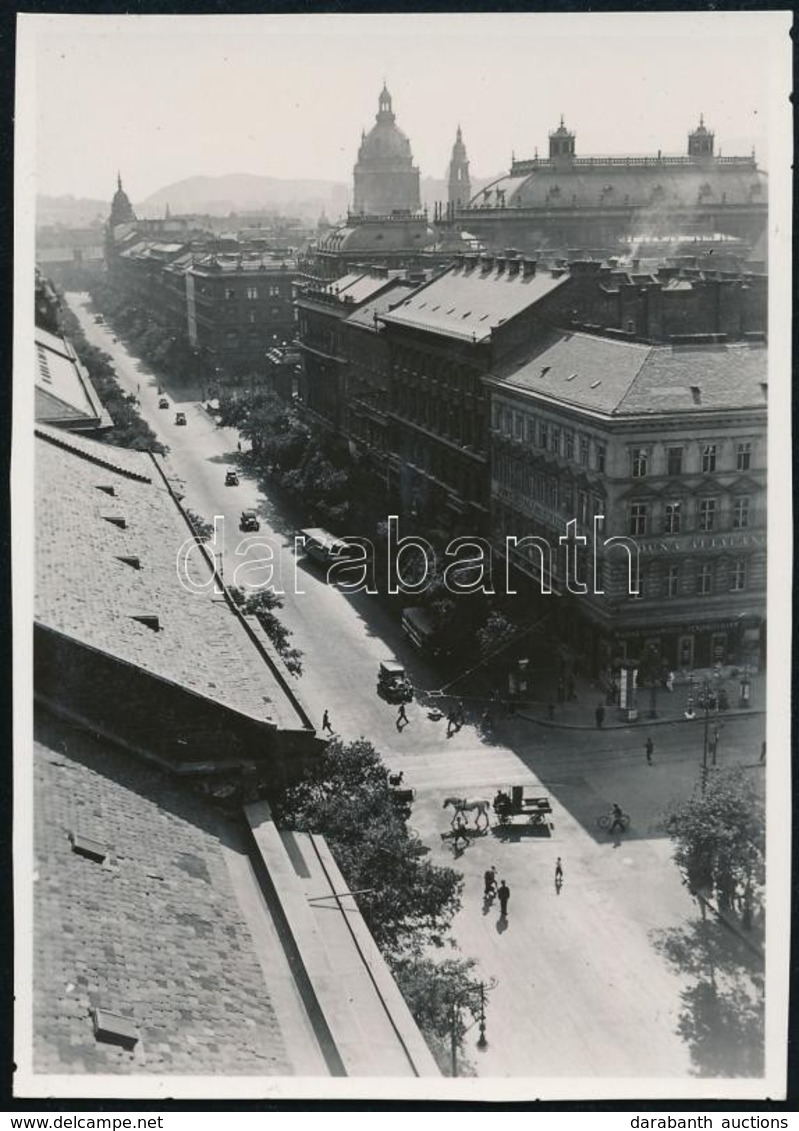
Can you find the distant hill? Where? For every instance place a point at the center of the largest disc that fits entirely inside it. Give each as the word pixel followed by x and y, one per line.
pixel 242 192
pixel 233 192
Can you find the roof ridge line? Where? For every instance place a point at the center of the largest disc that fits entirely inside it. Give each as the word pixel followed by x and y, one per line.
pixel 61 442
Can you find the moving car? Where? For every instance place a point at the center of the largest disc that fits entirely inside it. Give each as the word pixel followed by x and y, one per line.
pixel 231 479
pixel 323 546
pixel 163 402
pixel 392 683
pixel 180 418
pixel 249 521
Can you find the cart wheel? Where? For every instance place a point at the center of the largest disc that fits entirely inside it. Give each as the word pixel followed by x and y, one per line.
pixel 604 821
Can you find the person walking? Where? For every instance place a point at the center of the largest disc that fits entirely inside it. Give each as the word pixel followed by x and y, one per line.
pixel 326 722
pixel 460 715
pixel 649 746
pixel 490 882
pixel 503 894
pixel 459 832
pixel 558 873
pixel 763 753
pixel 402 717
pixel 599 713
pixel 452 722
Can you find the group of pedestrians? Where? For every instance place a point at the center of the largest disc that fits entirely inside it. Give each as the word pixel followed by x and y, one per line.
pixel 502 892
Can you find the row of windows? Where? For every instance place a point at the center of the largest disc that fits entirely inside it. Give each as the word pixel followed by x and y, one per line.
pixel 559 493
pixel 653 579
pixel 707 514
pixel 702 580
pixel 445 466
pixel 541 433
pixel 642 462
pixel 273 290
pixel 454 423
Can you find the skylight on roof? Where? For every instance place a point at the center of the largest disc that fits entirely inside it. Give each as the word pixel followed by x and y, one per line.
pixel 571 376
pixel 595 384
pixel 545 370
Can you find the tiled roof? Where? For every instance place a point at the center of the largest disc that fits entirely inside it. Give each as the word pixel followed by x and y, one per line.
pixel 64 392
pixel 357 288
pixel 621 378
pixel 87 591
pixel 364 317
pixel 155 933
pixel 467 302
pixel 699 378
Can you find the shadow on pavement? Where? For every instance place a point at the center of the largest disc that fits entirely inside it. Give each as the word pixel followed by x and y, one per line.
pixel 722 1008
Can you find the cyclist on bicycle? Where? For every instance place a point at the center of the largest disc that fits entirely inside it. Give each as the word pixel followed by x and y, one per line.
pixel 618 818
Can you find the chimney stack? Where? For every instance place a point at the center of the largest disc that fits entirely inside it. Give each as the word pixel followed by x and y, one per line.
pixel 529 268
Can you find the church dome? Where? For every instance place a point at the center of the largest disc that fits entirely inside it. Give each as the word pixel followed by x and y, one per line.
pixel 385 177
pixel 385 142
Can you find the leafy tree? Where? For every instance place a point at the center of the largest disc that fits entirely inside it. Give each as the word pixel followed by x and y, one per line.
pixel 497 631
pixel 408 902
pixel 262 605
pixel 441 997
pixel 719 839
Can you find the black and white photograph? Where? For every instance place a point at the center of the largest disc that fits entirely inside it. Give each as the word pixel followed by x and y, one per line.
pixel 401 503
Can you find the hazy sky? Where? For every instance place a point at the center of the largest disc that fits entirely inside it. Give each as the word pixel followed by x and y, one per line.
pixel 164 98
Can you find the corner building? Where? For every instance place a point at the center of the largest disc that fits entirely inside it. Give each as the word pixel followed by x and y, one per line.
pixel 668 443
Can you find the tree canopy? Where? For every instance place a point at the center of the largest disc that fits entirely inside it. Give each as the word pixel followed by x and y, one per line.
pixel 346 797
pixel 719 838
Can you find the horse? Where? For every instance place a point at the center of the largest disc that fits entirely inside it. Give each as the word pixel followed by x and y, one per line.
pixel 467 805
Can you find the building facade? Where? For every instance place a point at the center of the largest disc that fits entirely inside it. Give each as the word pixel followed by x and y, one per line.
pixel 660 449
pixel 238 307
pixel 321 314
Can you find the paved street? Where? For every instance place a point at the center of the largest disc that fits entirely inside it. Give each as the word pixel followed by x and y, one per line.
pixel 582 989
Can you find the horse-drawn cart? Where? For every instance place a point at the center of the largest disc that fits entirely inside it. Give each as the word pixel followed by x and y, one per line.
pixel 513 809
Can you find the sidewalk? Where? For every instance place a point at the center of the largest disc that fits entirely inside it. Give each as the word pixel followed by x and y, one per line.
pixel 670 706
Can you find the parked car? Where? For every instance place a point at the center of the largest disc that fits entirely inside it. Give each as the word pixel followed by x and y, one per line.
pixel 99 318
pixel 180 418
pixel 392 683
pixel 249 521
pixel 231 479
pixel 163 402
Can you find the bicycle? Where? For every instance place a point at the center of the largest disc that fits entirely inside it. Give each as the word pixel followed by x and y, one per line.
pixel 607 819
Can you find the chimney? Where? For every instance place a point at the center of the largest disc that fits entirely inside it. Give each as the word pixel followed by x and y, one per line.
pixel 513 267
pixel 486 262
pixel 636 264
pixel 460 259
pixel 511 253
pixel 528 268
pixel 500 262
